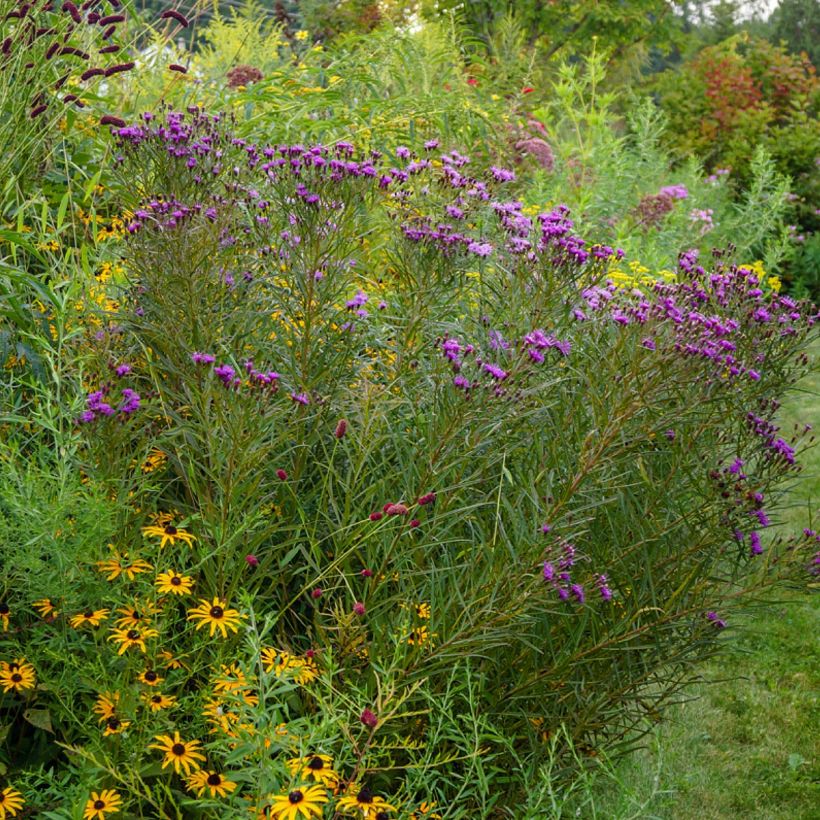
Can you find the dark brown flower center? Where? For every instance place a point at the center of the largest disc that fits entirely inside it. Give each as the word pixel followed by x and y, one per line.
pixel 170 529
pixel 178 749
pixel 4 609
pixel 316 764
pixel 113 723
pixel 16 677
pixel 99 804
pixel 132 634
pixel 88 614
pixel 296 797
pixel 217 612
pixel 365 796
pixel 382 815
pixel 157 699
pixel 214 779
pixel 150 675
pixel 176 581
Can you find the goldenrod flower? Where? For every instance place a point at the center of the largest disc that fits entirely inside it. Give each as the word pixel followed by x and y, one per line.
pixel 303 802
pixel 168 534
pixel 174 583
pixel 181 754
pixel 17 676
pixel 217 784
pixel 11 801
pixel 100 803
pixel 216 615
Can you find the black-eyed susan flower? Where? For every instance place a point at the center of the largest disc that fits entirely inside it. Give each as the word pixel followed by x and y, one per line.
pixel 101 803
pixel 168 534
pixel 179 753
pixel 363 803
pixel 106 705
pixel 90 617
pixel 45 608
pixel 418 636
pixel 115 726
pixel 423 611
pixel 156 701
pixel 170 661
pixel 425 812
pixel 221 718
pixel 275 661
pixel 304 670
pixel 173 583
pixel 231 679
pixel 306 801
pixel 133 616
pixel 216 615
pixel 316 767
pixel 11 801
pixel 216 784
pixel 150 677
pixel 121 564
pixel 128 638
pixel 17 675
pixel 5 614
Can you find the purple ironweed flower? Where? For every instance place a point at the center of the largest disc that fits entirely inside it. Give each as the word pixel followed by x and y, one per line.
pixel 225 373
pixel 202 358
pixel 123 369
pixel 549 571
pixel 670 434
pixel 300 398
pixel 480 248
pixel 546 528
pixel 674 191
pixel 495 371
pixel 754 541
pixel 131 401
pixel 601 583
pixel 578 592
pixel 762 518
pixel 462 382
pixel 735 467
pixel 719 623
pixel 648 343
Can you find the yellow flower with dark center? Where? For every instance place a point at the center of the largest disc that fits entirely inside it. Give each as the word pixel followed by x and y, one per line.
pixel 90 617
pixel 118 565
pixel 423 611
pixel 216 615
pixel 173 583
pixel 170 661
pixel 128 638
pixel 179 753
pixel 231 679
pixel 45 608
pixel 101 803
pixel 113 726
pixel 304 670
pixel 155 460
pixel 316 767
pixel 5 614
pixel 17 675
pixel 217 784
pixel 106 705
pixel 168 534
pixel 11 801
pixel 156 701
pixel 418 636
pixel 132 616
pixel 275 661
pixel 150 677
pixel 425 812
pixel 220 717
pixel 305 801
pixel 362 802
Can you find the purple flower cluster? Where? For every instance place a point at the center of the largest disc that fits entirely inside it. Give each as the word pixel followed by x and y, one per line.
pixel 98 407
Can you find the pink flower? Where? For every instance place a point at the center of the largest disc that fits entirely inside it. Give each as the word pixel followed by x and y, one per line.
pixel 369 719
pixel 252 560
pixel 281 475
pixel 358 608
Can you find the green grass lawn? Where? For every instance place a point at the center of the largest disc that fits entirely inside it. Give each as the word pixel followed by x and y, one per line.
pixel 746 746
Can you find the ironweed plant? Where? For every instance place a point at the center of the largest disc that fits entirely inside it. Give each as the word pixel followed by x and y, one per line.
pixel 410 497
